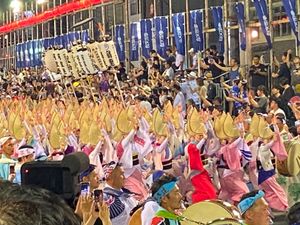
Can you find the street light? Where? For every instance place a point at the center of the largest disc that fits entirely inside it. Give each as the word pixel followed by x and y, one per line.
pixel 41 1
pixel 254 33
pixel 16 5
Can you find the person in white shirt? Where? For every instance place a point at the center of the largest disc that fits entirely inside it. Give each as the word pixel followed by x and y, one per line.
pixel 274 107
pixel 194 57
pixel 169 71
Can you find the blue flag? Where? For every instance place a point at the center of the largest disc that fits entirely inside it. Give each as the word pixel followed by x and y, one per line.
pixel 22 55
pixel 39 52
pixel 161 37
pixel 217 13
pixel 134 42
pixel 71 37
pixel 26 49
pixel 290 9
pixel 120 41
pixel 18 56
pixel 146 36
pixel 179 29
pixel 240 9
pixel 85 36
pixel 196 27
pixel 263 16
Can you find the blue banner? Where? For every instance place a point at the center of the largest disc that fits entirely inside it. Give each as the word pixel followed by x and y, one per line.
pixel 85 36
pixel 120 41
pixel 134 42
pixel 22 55
pixel 179 29
pixel 39 46
pixel 263 16
pixel 290 9
pixel 161 30
pixel 196 28
pixel 18 62
pixel 240 10
pixel 71 37
pixel 217 13
pixel 146 36
pixel 26 48
pixel 31 53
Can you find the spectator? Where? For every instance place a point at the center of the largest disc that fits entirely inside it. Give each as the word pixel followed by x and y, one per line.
pixel 274 107
pixel 258 72
pixel 261 103
pixel 296 73
pixel 234 70
pixel 33 206
pixel 284 68
pixel 194 57
pixel 169 71
pixel 288 91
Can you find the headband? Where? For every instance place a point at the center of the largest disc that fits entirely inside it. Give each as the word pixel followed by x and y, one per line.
pixel 164 190
pixel 247 203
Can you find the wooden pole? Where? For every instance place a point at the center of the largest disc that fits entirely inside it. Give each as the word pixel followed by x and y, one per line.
pixel 206 24
pixel 270 80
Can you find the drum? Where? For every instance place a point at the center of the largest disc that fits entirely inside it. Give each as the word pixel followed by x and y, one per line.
pixel 226 221
pixel 136 218
pixel 290 166
pixel 211 212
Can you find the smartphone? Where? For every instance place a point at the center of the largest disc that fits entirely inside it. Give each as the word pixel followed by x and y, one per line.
pixel 84 188
pixel 98 197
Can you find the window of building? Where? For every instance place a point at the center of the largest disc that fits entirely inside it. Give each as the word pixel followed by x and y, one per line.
pixel 119 13
pixel 134 7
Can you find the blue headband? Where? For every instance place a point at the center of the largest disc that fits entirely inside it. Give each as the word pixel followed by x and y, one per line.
pixel 164 190
pixel 247 203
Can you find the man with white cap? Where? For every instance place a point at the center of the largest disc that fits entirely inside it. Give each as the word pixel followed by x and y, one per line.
pixel 7 147
pixel 25 154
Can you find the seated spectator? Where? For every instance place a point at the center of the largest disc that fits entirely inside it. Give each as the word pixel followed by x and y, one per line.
pixel 261 103
pixel 33 206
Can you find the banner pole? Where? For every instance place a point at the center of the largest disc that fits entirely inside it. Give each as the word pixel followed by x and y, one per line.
pixel 187 36
pixel 127 58
pixel 170 23
pixel 206 24
pixel 298 12
pixel 226 36
pixel 270 80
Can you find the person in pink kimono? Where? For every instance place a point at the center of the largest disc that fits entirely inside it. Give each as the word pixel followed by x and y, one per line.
pixel 275 195
pixel 231 173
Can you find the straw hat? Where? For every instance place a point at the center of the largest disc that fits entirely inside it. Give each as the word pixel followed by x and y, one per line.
pixel 19 130
pixel 219 128
pixel 264 130
pixel 229 127
pixel 254 125
pixel 196 124
pixel 159 126
pixel 124 123
pixel 290 166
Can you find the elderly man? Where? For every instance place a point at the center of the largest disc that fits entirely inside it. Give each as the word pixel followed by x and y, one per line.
pixel 7 147
pixel 119 199
pixel 254 208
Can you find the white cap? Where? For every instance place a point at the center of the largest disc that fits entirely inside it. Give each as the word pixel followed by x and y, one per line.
pixel 192 75
pixel 25 151
pixel 4 140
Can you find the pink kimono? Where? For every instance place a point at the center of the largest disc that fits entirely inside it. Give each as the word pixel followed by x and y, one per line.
pixel 231 173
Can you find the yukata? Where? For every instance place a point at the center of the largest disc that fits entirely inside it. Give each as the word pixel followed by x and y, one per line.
pixel 203 187
pixel 274 193
pixel 120 203
pixel 130 150
pixel 231 173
